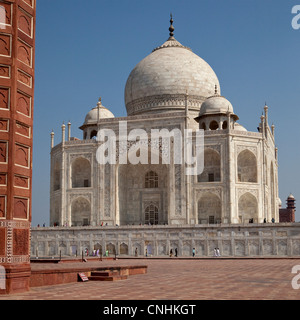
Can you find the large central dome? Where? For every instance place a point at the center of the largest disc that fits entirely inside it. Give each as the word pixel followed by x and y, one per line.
pixel 161 81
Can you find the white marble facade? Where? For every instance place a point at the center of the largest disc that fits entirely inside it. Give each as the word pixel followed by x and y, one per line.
pixel 171 88
pixel 250 240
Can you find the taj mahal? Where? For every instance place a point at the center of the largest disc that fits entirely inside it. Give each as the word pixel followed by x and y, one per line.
pixel 171 88
pixel 232 204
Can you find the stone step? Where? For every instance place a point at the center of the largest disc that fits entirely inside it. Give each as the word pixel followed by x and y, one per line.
pixel 107 278
pixel 105 273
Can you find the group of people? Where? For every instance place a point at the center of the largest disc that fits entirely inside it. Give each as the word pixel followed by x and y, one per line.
pixel 96 253
pixel 171 252
pixel 44 225
pixel 216 252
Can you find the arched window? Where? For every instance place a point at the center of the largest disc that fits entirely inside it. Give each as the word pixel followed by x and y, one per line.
pixel 248 208
pixel 151 180
pixel 124 248
pixel 111 248
pixel 213 125
pixel 209 209
pixel 81 212
pixel 247 167
pixel 56 176
pixel 212 167
pixel 81 173
pixel 225 125
pixel 151 215
pixel 97 247
pixel 93 134
pixel 203 126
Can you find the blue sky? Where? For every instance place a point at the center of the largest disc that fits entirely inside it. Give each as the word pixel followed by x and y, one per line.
pixel 85 50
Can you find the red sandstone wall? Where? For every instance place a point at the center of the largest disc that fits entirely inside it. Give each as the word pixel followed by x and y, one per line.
pixel 286 215
pixel 17 36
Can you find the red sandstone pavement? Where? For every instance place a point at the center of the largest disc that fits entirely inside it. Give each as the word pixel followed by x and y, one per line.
pixel 180 279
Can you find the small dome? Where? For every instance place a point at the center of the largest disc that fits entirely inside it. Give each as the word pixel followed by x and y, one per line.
pixel 99 111
pixel 291 197
pixel 215 105
pixel 239 127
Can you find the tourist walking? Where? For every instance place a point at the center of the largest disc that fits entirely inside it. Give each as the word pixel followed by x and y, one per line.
pixel 194 252
pixel 215 252
pixel 175 252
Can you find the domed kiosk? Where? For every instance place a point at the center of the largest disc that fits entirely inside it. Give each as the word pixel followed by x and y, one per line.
pixel 90 126
pixel 216 113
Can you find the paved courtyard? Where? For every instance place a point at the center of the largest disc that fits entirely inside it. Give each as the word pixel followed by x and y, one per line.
pixel 181 279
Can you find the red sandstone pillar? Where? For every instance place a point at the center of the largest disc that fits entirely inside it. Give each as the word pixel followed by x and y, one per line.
pixel 17 36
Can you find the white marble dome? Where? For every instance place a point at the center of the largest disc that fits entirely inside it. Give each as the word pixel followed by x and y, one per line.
pixel 98 113
pixel 161 81
pixel 216 105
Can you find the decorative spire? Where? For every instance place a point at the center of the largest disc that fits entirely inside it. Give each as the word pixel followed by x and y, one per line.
pixel 69 130
pixel 171 42
pixel 171 29
pixel 52 139
pixel 63 129
pixel 266 106
pixel 99 104
pixel 273 129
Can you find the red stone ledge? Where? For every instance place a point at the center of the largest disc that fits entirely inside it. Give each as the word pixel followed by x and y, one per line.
pixel 54 276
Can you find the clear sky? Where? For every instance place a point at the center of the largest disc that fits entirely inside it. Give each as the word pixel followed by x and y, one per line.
pixel 87 49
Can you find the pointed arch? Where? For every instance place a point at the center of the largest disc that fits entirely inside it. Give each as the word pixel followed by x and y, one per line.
pixel 80 212
pixel 212 166
pixel 56 175
pixel 81 173
pixel 248 208
pixel 209 208
pixel 123 248
pixel 151 215
pixel 247 167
